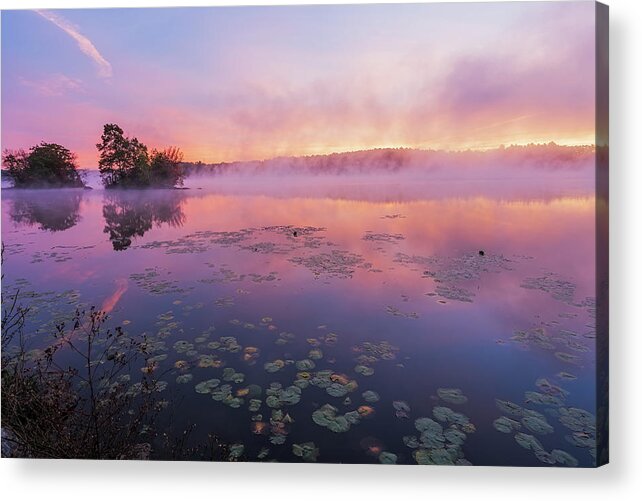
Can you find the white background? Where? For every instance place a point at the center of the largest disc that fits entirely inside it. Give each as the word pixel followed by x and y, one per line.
pixel 622 479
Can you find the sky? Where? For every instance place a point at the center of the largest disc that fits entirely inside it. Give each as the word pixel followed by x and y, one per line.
pixel 246 83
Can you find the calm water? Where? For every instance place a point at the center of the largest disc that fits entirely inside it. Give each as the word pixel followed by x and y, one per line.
pixel 286 268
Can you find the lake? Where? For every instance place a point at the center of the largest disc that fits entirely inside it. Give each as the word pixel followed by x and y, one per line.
pixel 433 322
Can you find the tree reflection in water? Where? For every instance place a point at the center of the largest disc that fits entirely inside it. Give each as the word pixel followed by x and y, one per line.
pixel 52 210
pixel 130 214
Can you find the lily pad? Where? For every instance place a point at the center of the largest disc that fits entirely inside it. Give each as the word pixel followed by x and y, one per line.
pixel 274 366
pixel 387 458
pixel 305 365
pixel 364 370
pixel 183 346
pixel 537 425
pixel 446 414
pixel 207 386
pixel 277 396
pixel 236 451
pixel 370 396
pixel 506 425
pixel 452 395
pixel 564 458
pixel 411 441
pixel 307 451
pixel 337 390
pixel 327 417
pixel 510 408
pixel 528 442
pixel 184 378
pixel 315 354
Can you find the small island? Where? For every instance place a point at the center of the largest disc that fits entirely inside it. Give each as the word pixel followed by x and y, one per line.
pixel 46 165
pixel 124 162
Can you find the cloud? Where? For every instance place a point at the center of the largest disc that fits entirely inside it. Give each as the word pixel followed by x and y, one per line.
pixel 84 44
pixel 54 85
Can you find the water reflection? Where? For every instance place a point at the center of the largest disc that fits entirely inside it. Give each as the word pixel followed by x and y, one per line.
pixel 57 211
pixel 253 289
pixel 131 214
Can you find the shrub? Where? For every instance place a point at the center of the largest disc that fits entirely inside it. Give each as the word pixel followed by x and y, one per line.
pixel 125 162
pixel 45 165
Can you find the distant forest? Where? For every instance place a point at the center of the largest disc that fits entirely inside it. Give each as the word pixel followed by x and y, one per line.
pixel 551 157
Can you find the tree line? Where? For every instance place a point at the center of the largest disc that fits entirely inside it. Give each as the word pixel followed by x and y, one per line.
pixel 124 162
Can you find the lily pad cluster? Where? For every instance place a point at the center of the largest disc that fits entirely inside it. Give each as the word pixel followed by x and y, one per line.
pixel 328 416
pixel 279 426
pixel 229 374
pixel 335 384
pixel 369 353
pixel 335 264
pixel 224 395
pixel 274 366
pixel 441 439
pixel 277 396
pixel 396 312
pixel 581 423
pixel 306 451
pixel 525 423
pixel 452 395
pixel 551 283
pixel 453 274
pixel 402 409
pixel 391 238
pixel 370 396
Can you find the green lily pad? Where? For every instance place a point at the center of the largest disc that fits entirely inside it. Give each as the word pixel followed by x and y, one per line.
pixel 337 390
pixel 446 414
pixel 510 408
pixel 364 370
pixel 327 417
pixel 315 354
pixel 455 436
pixel 564 458
pixel 370 396
pixel 277 396
pixel 207 386
pixel 229 374
pixel 387 458
pixel 183 346
pixel 528 442
pixel 452 395
pixel 277 439
pixel 401 408
pixel 236 451
pixel 411 441
pixel 537 425
pixel 305 365
pixel 506 425
pixel 307 451
pixel 184 378
pixel 542 399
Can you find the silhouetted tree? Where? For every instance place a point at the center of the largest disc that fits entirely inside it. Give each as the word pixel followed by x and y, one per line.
pixel 45 165
pixel 123 161
pixel 167 167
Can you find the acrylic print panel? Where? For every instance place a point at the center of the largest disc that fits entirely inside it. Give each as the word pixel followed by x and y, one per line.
pixel 357 234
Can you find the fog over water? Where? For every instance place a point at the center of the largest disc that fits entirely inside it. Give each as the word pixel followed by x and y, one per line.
pixel 414 286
